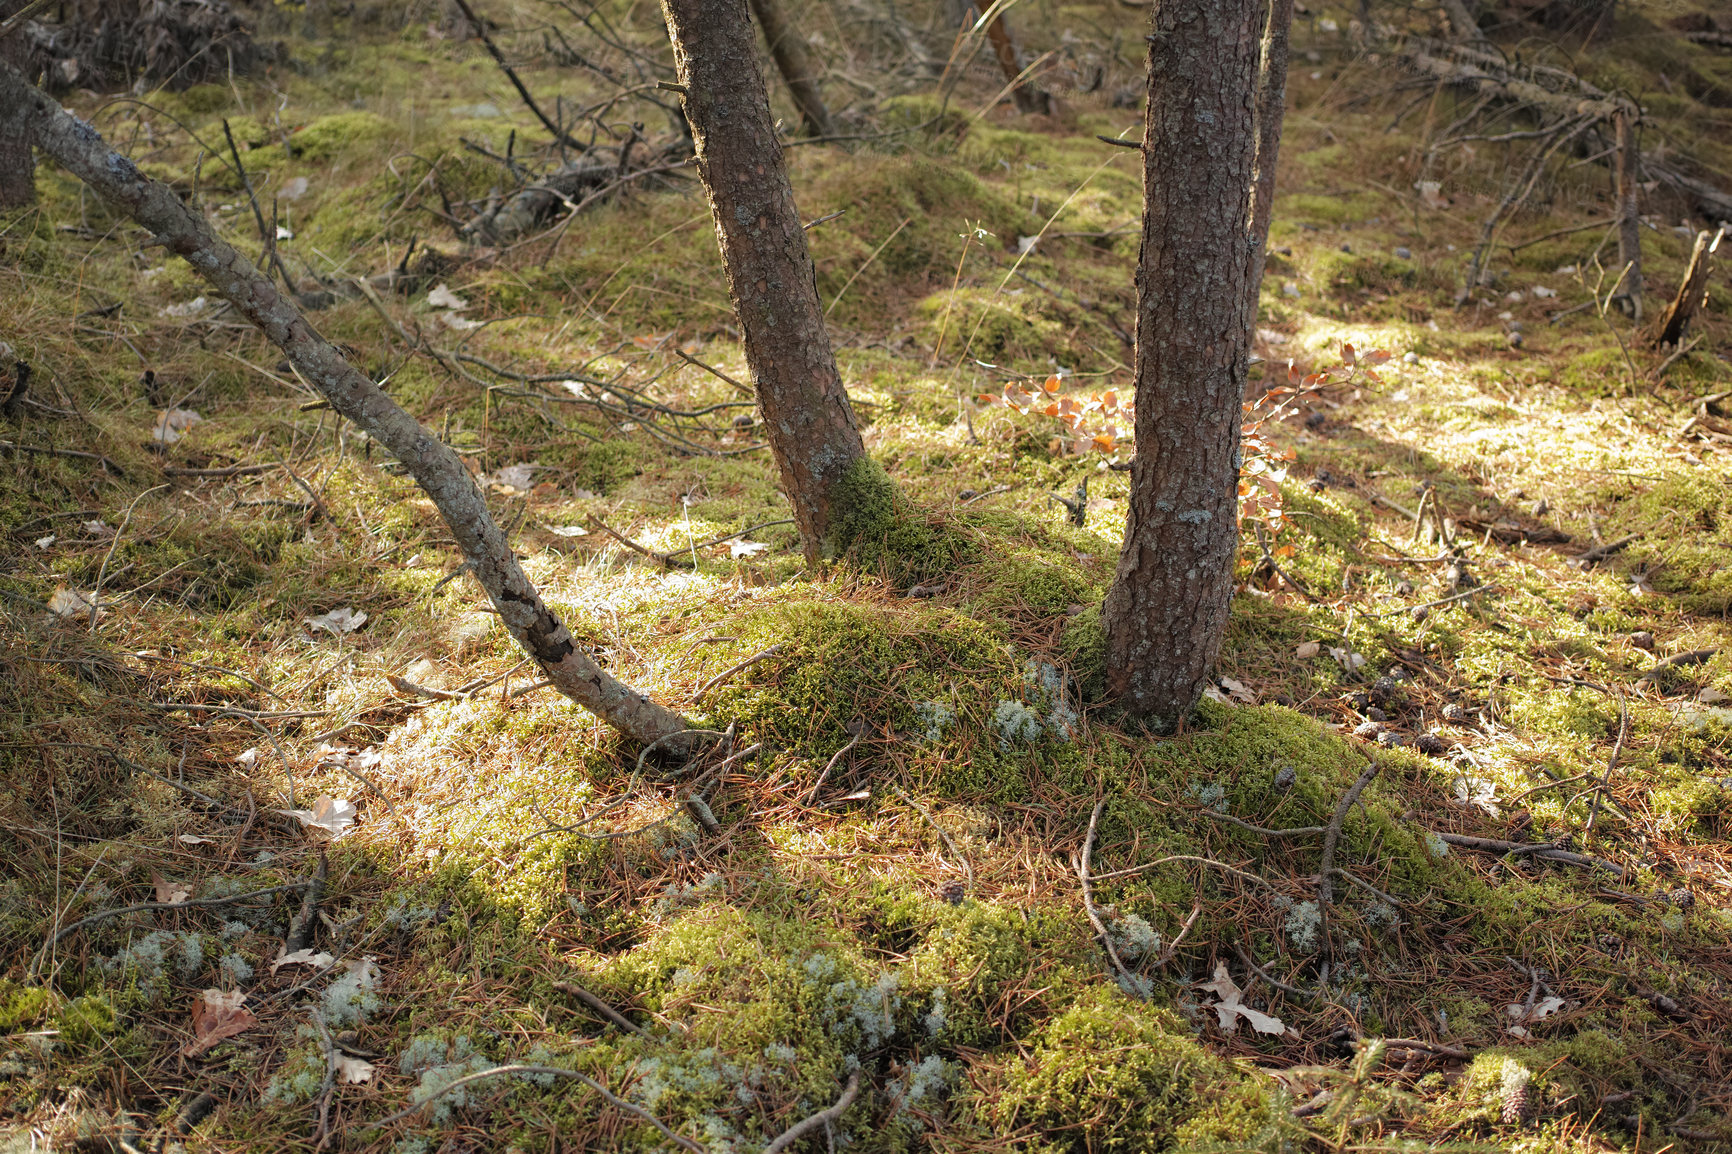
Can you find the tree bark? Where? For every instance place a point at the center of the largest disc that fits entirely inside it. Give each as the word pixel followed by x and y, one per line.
pixel 1029 96
pixel 808 420
pixel 799 73
pixel 1270 111
pixel 1166 612
pixel 1629 221
pixel 17 162
pixel 77 147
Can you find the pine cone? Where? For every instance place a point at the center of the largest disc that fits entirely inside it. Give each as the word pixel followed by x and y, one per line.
pixel 1517 1096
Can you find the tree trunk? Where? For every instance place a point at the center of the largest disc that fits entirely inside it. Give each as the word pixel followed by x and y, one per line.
pixel 1029 96
pixel 799 73
pixel 807 418
pixel 17 163
pixel 1270 111
pixel 76 147
pixel 1629 222
pixel 1167 609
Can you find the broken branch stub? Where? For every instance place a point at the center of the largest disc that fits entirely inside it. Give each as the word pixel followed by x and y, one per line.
pixel 78 148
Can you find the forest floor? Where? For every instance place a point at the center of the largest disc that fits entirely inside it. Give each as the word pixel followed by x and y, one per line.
pixel 1502 582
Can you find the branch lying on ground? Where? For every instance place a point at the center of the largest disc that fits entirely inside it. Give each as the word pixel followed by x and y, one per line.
pixel 77 147
pixel 821 1118
pixel 1545 850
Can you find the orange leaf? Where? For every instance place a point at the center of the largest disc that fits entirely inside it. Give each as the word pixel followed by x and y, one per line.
pixel 987 399
pixel 1106 442
pixel 1378 356
pixel 1347 352
pixel 1051 410
pixel 1293 373
pixel 1109 399
pixel 1051 385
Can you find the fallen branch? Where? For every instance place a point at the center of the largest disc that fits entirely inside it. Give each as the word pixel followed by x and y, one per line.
pixel 1547 851
pixel 599 1006
pixel 704 690
pixel 80 150
pixel 1689 657
pixel 831 764
pixel 1105 935
pixel 15 447
pixel 192 903
pixel 1326 868
pixel 559 134
pixel 822 1118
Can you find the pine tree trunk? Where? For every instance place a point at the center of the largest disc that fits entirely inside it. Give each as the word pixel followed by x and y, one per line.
pixel 799 73
pixel 1271 110
pixel 17 163
pixel 1029 96
pixel 1629 220
pixel 182 231
pixel 1166 612
pixel 807 418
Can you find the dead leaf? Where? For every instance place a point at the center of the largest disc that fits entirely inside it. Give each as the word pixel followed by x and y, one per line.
pixel 1542 1009
pixel 319 961
pixel 1213 693
pixel 217 1015
pixel 70 603
pixel 334 815
pixel 354 1070
pixel 568 531
pixel 1239 691
pixel 248 758
pixel 339 621
pixel 746 548
pixel 194 839
pixel 170 893
pixel 1229 1009
pixel 1308 649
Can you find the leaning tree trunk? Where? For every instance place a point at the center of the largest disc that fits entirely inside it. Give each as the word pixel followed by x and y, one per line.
pixel 807 417
pixel 1029 96
pixel 76 147
pixel 1167 609
pixel 17 163
pixel 1271 109
pixel 788 50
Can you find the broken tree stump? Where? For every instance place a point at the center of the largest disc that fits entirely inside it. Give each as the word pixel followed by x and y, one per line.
pixel 1675 321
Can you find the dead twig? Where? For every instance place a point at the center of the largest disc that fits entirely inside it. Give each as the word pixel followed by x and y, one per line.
pixel 1547 851
pixel 967 869
pixel 822 1118
pixel 599 1007
pixel 1326 868
pixel 831 764
pixel 76 454
pixel 704 690
pixel 1126 979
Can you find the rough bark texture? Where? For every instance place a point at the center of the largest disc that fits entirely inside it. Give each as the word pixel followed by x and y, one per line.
pixel 807 418
pixel 799 72
pixel 17 162
pixel 1629 222
pixel 1167 610
pixel 1029 96
pixel 77 147
pixel 1675 321
pixel 1271 110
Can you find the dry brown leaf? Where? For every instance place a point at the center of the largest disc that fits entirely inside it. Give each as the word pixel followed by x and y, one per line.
pixel 217 1015
pixel 170 893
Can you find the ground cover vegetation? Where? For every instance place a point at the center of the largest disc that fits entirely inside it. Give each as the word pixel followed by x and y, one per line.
pixel 1440 862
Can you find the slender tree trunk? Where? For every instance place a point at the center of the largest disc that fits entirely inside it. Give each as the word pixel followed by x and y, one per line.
pixel 1629 220
pixel 17 163
pixel 77 148
pixel 1166 612
pixel 807 418
pixel 1029 96
pixel 799 72
pixel 1270 111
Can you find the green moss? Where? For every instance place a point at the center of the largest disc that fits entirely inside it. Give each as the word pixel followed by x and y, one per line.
pixel 997 326
pixel 345 132
pixel 23 1006
pixel 1110 1075
pixel 884 532
pixel 86 1020
pixel 1084 645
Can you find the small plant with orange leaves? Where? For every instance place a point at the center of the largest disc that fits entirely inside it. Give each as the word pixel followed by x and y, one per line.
pixel 1103 422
